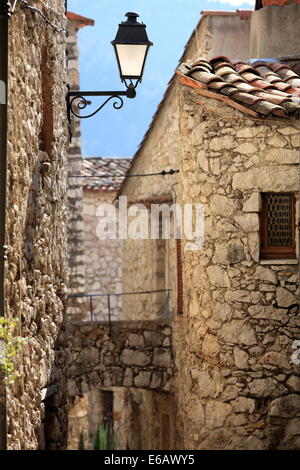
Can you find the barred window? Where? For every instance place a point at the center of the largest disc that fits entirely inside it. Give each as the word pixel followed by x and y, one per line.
pixel 277 226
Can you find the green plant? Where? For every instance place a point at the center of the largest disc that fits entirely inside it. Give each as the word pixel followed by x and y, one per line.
pixel 81 442
pixel 9 347
pixel 106 438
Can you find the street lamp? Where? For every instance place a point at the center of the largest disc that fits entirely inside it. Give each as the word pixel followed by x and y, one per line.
pixel 131 47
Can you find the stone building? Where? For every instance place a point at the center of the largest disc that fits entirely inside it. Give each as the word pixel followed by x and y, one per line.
pixel 76 257
pixel 231 127
pixel 101 178
pixel 103 266
pixel 94 264
pixel 36 180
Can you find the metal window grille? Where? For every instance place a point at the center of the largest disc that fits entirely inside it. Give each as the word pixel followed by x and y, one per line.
pixel 279 219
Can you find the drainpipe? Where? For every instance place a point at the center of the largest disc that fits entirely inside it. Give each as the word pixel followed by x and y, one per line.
pixel 4 19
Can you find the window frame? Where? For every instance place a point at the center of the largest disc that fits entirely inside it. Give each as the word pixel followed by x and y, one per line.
pixel 276 252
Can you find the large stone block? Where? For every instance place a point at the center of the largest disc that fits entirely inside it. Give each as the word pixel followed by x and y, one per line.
pixel 217 276
pixel 253 204
pixel 248 222
pixel 247 148
pixel 237 332
pixel 244 296
pixel 135 340
pixel 131 357
pixel 222 205
pixel 286 407
pixel 278 359
pixel 156 379
pixel 162 357
pixel 268 313
pixel 142 380
pixel 210 383
pixel 266 388
pixel 210 345
pixel 219 143
pixel 267 179
pixel 241 358
pixel 293 383
pixel 229 253
pixel 282 155
pixel 195 411
pixel 285 298
pixel 216 413
pixel 153 338
pixel 243 405
pixel 265 275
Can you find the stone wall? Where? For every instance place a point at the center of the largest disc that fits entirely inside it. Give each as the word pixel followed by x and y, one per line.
pixel 103 267
pixel 36 225
pixel 238 387
pixel 154 260
pixel 267 23
pixel 228 32
pixel 144 419
pixel 139 355
pixel 125 354
pixel 76 256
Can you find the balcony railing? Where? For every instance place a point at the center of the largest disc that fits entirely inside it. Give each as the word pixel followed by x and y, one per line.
pixel 108 296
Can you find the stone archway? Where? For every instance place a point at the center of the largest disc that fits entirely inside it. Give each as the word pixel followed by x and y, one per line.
pixel 123 354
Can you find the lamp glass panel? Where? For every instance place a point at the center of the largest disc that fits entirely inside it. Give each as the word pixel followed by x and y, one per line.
pixel 131 58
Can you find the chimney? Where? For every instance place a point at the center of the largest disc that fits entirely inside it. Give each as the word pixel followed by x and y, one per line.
pixel 275 31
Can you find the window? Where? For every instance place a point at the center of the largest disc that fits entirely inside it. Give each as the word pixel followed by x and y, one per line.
pixel 277 226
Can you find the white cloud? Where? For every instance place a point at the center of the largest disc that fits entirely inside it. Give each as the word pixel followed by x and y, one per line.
pixel 235 3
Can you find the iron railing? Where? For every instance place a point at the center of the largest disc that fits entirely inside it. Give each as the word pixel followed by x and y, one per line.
pixel 90 297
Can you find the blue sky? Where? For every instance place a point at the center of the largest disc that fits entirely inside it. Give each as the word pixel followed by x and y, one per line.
pixel 113 133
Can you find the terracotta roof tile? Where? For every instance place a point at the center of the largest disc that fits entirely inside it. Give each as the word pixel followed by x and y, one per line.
pixel 117 167
pixel 218 85
pixel 294 91
pixel 219 59
pixel 295 82
pixel 246 87
pixel 275 99
pixel 249 76
pixel 259 83
pixel 246 98
pixel 272 78
pixel 229 90
pixel 286 74
pixel 275 66
pixel 268 88
pixel 80 19
pixel 232 78
pixel 222 69
pixel 272 91
pixel 242 67
pixel 205 77
pixel 203 63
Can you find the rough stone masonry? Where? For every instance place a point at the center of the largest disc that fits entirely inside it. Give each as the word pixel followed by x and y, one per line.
pixel 36 225
pixel 130 354
pixel 239 387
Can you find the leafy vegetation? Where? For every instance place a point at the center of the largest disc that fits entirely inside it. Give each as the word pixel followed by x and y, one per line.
pixel 105 439
pixel 10 344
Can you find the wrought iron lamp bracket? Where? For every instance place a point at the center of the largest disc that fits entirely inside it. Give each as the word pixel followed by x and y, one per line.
pixel 77 101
